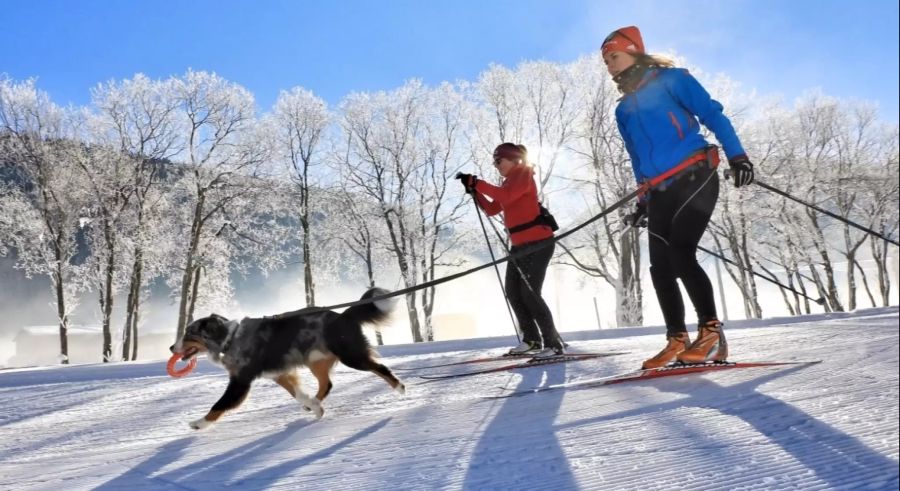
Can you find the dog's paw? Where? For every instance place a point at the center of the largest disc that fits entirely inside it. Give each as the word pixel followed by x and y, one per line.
pixel 200 424
pixel 400 388
pixel 311 404
pixel 316 408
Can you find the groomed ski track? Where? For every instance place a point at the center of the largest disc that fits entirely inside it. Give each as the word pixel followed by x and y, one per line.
pixel 833 425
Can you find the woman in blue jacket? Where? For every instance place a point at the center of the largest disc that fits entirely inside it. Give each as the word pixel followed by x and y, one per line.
pixel 659 117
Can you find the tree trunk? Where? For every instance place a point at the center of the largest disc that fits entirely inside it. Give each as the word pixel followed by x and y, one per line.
pixel 403 263
pixel 370 274
pixel 751 280
pixel 413 314
pixel 880 255
pixel 309 284
pixel 807 308
pixel 195 287
pixel 129 315
pixel 629 297
pixel 61 309
pixel 188 275
pixel 865 282
pixel 820 288
pixel 135 321
pixel 783 291
pixel 108 293
pixel 851 272
pixel 129 349
pixel 831 292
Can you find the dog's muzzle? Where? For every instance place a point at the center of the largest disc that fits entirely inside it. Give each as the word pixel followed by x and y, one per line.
pixel 187 352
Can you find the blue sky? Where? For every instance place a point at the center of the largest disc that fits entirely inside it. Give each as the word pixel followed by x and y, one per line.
pixel 848 49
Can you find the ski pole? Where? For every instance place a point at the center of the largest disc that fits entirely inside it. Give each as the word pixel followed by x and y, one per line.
pixel 515 264
pixel 820 300
pixel 437 281
pixel 496 267
pixel 819 209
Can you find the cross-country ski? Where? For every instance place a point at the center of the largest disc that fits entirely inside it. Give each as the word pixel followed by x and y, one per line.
pixel 674 370
pixel 454 246
pixel 530 362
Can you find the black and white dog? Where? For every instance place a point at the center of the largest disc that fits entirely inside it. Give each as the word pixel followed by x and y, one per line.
pixel 274 347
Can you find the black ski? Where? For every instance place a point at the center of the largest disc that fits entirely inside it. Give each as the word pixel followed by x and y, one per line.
pixel 485 359
pixel 532 362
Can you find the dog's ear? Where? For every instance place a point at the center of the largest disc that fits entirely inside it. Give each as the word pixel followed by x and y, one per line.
pixel 213 328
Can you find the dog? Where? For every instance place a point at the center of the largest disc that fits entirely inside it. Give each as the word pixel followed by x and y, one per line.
pixel 274 347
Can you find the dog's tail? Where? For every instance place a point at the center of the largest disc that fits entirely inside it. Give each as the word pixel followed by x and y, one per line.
pixel 373 313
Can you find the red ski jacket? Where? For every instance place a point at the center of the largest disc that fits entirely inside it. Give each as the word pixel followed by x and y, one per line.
pixel 517 198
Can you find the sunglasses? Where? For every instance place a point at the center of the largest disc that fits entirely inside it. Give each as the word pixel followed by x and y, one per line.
pixel 497 161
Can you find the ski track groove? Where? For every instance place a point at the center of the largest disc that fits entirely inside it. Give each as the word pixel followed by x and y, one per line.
pixel 769 428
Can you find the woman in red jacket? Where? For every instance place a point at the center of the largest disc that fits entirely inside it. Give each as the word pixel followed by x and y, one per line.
pixel 517 198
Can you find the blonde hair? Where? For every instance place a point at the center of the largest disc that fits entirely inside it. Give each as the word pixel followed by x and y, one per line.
pixel 653 60
pixel 626 81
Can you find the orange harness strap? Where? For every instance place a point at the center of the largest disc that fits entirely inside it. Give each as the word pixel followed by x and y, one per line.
pixel 709 154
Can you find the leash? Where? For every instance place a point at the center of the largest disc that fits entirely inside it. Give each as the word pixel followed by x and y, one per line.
pixel 403 291
pixel 643 189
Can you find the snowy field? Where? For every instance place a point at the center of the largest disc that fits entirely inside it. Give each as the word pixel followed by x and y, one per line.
pixel 833 425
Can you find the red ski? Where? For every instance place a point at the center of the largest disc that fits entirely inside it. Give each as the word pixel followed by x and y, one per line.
pixel 667 371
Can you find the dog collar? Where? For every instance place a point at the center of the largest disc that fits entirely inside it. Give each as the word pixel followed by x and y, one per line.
pixel 229 338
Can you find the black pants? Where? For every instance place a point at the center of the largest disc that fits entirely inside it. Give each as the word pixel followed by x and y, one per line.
pixel 524 293
pixel 678 216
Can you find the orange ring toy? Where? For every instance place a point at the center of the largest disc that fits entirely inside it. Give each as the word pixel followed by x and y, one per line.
pixel 170 367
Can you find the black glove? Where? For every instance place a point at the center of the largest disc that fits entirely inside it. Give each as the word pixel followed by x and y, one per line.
pixel 741 170
pixel 638 218
pixel 468 181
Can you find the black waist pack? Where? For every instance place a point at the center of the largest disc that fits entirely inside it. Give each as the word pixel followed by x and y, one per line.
pixel 544 218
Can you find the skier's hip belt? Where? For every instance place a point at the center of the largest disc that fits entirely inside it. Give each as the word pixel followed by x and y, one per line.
pixel 707 158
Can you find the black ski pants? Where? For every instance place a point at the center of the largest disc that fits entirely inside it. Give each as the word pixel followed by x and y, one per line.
pixel 678 215
pixel 524 280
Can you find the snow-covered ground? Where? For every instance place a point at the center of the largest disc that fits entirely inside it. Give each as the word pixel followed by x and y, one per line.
pixel 833 425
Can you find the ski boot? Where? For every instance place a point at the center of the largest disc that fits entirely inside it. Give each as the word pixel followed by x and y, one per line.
pixel 525 348
pixel 710 345
pixel 677 344
pixel 556 349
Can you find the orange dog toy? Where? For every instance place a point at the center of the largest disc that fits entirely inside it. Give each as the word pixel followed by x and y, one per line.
pixel 170 367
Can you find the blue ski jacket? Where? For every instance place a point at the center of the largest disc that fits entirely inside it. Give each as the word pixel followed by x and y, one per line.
pixel 659 122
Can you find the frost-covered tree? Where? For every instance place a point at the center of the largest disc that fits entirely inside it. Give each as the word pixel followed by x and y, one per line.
pixel 552 110
pixel 221 181
pixel 859 186
pixel 357 233
pixel 301 120
pixel 135 117
pixel 499 94
pixel 402 152
pixel 606 250
pixel 41 200
pixel 882 206
pixel 440 204
pixel 107 176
